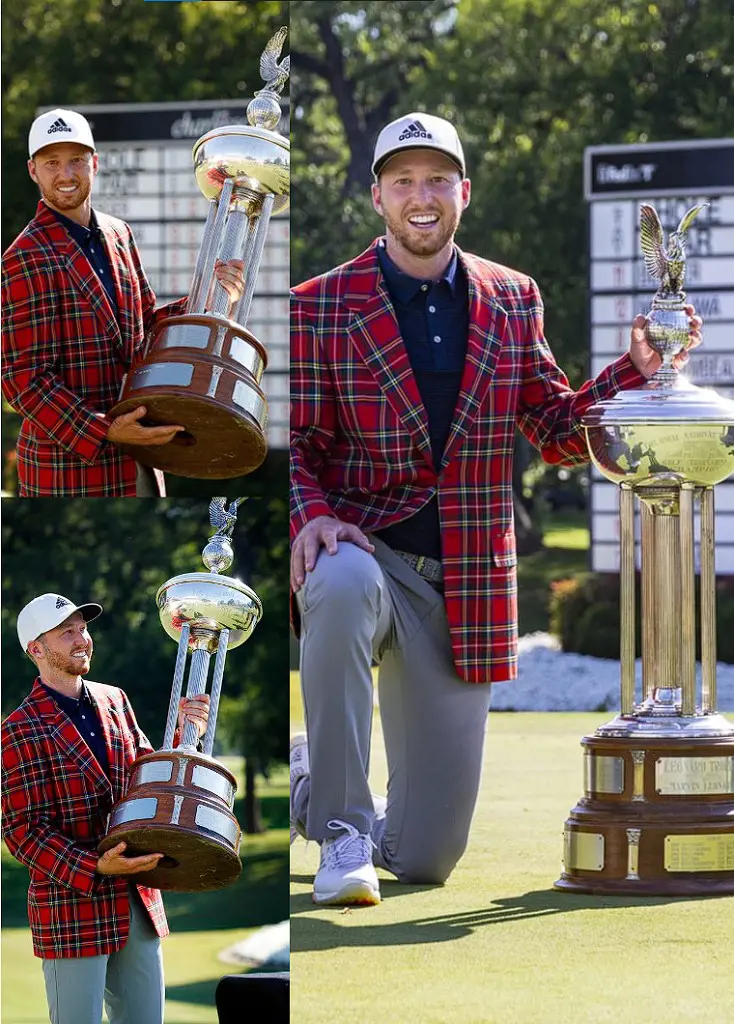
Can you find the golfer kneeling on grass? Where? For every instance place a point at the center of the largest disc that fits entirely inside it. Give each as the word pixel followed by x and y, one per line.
pixel 411 367
pixel 66 752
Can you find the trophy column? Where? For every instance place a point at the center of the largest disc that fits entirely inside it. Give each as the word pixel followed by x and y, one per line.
pixel 657 817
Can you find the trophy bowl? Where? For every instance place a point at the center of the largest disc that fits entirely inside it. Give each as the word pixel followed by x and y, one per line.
pixel 210 601
pixel 684 433
pixel 255 158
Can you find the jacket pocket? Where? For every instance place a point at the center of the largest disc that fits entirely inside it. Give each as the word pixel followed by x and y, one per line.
pixel 504 552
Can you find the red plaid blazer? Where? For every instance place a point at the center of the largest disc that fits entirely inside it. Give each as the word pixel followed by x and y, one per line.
pixel 65 355
pixel 55 802
pixel 361 449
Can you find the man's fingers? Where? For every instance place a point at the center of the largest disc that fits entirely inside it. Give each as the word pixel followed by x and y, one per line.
pixel 133 416
pixel 355 536
pixel 298 572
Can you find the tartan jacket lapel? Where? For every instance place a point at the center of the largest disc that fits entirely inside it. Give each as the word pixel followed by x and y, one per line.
pixel 64 733
pixel 487 326
pixel 81 272
pixel 112 729
pixel 374 332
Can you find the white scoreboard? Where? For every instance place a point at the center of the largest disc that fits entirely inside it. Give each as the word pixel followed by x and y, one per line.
pixel 146 177
pixel 672 177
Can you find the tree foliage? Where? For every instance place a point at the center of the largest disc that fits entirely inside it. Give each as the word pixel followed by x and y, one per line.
pixel 119 552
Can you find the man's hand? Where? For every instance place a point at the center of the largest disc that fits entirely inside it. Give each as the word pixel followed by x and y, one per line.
pixel 231 276
pixel 114 863
pixel 196 710
pixel 324 531
pixel 645 359
pixel 126 429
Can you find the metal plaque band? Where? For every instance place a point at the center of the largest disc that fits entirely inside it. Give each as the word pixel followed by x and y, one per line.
pixel 583 851
pixel 603 774
pixel 213 782
pixel 133 810
pixel 217 822
pixel 694 776
pixel 153 771
pixel 699 853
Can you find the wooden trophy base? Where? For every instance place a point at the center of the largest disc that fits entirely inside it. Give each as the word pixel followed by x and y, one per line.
pixel 657 818
pixel 179 804
pixel 201 372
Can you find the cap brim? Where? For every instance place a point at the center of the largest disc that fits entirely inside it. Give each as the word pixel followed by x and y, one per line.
pixel 379 164
pixel 89 611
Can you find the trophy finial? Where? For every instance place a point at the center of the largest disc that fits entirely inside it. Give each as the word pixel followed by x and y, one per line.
pixel 264 110
pixel 218 555
pixel 669 266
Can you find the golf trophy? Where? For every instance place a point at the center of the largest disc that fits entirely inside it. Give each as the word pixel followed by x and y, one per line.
pixel 180 800
pixel 203 368
pixel 657 817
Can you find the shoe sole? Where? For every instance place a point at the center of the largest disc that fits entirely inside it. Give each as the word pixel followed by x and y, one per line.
pixel 356 895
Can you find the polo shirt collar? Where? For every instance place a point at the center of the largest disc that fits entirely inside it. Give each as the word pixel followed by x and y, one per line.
pixel 68 704
pixel 402 286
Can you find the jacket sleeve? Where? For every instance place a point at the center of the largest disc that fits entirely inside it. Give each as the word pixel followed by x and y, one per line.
pixel 550 412
pixel 26 826
pixel 31 351
pixel 313 420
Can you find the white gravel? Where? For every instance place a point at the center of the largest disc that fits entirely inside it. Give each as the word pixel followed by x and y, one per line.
pixel 549 680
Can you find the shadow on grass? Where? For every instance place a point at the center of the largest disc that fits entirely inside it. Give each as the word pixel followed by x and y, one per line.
pixel 310 933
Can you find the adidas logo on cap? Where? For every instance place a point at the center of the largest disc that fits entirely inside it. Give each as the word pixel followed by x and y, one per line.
pixel 415 130
pixel 61 602
pixel 59 125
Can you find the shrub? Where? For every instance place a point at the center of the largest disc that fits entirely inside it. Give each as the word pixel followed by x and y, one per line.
pixel 584 615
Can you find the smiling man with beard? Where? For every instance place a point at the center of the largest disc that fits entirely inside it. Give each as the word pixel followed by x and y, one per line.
pixel 66 754
pixel 77 307
pixel 411 367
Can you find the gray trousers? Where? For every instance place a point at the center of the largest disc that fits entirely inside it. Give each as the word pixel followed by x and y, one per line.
pixel 355 607
pixel 129 982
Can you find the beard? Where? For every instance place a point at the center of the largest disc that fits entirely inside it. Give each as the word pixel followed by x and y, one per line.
pixel 420 241
pixel 64 201
pixel 66 664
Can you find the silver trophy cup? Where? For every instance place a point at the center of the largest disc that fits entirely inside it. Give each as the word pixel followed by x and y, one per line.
pixel 203 369
pixel 180 800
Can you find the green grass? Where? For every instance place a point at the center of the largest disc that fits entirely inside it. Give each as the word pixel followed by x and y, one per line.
pixel 566 540
pixel 497 945
pixel 202 924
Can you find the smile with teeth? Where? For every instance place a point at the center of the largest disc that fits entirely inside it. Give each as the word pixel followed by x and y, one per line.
pixel 67 188
pixel 423 219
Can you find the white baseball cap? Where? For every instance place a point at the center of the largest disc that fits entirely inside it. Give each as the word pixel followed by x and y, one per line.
pixel 47 612
pixel 59 126
pixel 418 131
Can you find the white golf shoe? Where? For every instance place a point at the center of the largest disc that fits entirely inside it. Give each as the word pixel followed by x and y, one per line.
pixel 299 770
pixel 346 874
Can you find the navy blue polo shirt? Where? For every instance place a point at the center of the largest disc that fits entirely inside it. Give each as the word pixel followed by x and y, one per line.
pixel 433 317
pixel 83 714
pixel 92 245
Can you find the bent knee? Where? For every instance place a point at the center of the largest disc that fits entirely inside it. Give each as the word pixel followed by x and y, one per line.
pixel 350 575
pixel 428 866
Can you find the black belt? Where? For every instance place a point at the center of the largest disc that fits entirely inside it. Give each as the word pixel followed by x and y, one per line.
pixel 429 568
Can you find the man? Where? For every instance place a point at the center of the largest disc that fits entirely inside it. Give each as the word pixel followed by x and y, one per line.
pixel 66 752
pixel 412 365
pixel 77 308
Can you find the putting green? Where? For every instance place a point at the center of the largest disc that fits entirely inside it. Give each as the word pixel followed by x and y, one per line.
pixel 497 945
